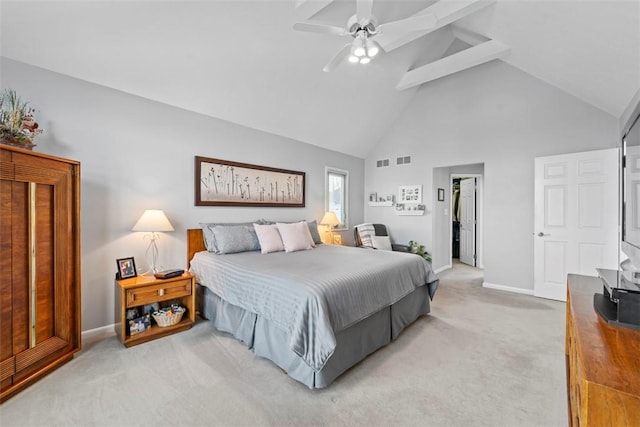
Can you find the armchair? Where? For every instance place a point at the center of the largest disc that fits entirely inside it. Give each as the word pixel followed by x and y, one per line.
pixel 373 236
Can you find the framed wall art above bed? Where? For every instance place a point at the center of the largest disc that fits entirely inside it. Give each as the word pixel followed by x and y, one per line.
pixel 225 183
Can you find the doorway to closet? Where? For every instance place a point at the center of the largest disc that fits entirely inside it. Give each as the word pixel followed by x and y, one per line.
pixel 466 219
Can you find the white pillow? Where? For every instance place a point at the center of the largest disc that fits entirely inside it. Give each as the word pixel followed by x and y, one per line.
pixel 381 242
pixel 296 236
pixel 269 238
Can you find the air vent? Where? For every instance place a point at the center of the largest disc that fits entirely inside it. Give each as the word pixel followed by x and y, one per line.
pixel 382 163
pixel 405 160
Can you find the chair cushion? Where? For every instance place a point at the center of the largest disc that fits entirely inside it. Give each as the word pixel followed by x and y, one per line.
pixel 381 242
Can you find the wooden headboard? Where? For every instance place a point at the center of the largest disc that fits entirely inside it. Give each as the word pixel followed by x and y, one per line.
pixel 195 243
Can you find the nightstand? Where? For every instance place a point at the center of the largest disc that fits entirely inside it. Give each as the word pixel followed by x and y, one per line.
pixel 142 290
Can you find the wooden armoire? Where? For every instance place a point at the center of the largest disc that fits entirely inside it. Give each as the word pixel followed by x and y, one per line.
pixel 39 266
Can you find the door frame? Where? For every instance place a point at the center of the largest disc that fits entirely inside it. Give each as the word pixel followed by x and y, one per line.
pixel 479 216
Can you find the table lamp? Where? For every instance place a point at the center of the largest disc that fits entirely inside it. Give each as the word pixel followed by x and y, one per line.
pixel 152 221
pixel 330 220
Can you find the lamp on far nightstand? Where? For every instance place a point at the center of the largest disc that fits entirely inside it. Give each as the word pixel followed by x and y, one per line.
pixel 152 221
pixel 330 220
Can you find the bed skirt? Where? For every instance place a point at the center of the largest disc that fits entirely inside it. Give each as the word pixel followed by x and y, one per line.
pixel 352 344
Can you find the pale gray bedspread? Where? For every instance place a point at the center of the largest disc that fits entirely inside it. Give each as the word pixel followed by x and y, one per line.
pixel 312 294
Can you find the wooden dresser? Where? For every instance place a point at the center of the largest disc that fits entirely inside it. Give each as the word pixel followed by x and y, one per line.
pixel 40 264
pixel 603 362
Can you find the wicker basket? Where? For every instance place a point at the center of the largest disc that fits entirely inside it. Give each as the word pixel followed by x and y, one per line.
pixel 164 319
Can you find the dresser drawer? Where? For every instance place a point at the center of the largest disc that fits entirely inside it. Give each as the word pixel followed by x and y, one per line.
pixel 160 292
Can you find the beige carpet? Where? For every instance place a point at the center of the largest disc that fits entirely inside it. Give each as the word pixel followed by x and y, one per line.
pixel 482 358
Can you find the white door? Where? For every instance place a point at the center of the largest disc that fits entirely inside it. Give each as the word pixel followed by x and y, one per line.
pixel 468 221
pixel 576 218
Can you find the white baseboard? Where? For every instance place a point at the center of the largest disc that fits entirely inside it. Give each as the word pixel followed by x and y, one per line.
pixel 443 268
pixel 99 333
pixel 507 288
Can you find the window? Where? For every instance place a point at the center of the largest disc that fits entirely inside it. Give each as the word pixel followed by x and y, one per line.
pixel 336 194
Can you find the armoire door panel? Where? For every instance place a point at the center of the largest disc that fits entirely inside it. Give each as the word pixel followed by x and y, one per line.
pixel 20 266
pixel 44 263
pixel 39 352
pixel 64 249
pixel 6 294
pixel 7 369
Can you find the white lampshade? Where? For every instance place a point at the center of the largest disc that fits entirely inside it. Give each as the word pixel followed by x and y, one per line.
pixel 153 220
pixel 330 219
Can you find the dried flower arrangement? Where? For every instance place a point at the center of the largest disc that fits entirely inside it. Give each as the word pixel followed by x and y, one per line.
pixel 17 125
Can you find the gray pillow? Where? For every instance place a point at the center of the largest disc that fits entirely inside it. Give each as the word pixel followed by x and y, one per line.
pixel 315 235
pixel 209 237
pixel 231 239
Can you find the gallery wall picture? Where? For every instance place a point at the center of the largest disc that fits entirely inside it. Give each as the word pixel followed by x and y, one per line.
pixel 225 183
pixel 410 194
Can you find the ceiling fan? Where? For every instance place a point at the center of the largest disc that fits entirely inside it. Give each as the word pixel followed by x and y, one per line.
pixel 364 28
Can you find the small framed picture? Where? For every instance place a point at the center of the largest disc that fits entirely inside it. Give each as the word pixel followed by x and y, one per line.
pixel 139 324
pixel 441 194
pixel 373 197
pixel 126 268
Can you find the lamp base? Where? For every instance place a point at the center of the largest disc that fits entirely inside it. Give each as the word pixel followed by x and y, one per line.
pixel 152 255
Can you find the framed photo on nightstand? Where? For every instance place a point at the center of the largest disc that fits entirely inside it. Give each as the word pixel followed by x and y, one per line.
pixel 126 268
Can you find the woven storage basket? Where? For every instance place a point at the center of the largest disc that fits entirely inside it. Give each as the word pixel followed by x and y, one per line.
pixel 165 319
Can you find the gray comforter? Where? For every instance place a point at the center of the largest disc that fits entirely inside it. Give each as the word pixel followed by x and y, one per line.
pixel 312 294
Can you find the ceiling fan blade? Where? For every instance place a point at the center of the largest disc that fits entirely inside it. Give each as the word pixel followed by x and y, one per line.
pixel 363 11
pixel 340 56
pixel 320 28
pixel 408 25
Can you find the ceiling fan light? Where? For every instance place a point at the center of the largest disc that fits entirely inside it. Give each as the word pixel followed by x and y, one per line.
pixel 358 48
pixel 372 48
pixel 353 59
pixel 365 60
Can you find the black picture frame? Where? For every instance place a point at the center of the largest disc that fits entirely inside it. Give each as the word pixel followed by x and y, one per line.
pixel 441 194
pixel 225 183
pixel 126 268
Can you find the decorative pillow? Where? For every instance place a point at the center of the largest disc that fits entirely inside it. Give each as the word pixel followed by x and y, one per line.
pixel 381 242
pixel 231 239
pixel 296 236
pixel 209 237
pixel 313 229
pixel 366 232
pixel 269 238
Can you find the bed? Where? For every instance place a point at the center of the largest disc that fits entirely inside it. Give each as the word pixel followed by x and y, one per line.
pixel 313 313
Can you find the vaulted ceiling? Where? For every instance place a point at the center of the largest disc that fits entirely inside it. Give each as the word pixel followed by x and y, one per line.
pixel 241 61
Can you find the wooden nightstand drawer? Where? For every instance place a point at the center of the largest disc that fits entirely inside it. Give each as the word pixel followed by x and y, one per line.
pixel 159 292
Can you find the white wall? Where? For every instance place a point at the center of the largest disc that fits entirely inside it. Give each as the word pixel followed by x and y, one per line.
pixel 137 154
pixel 500 116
